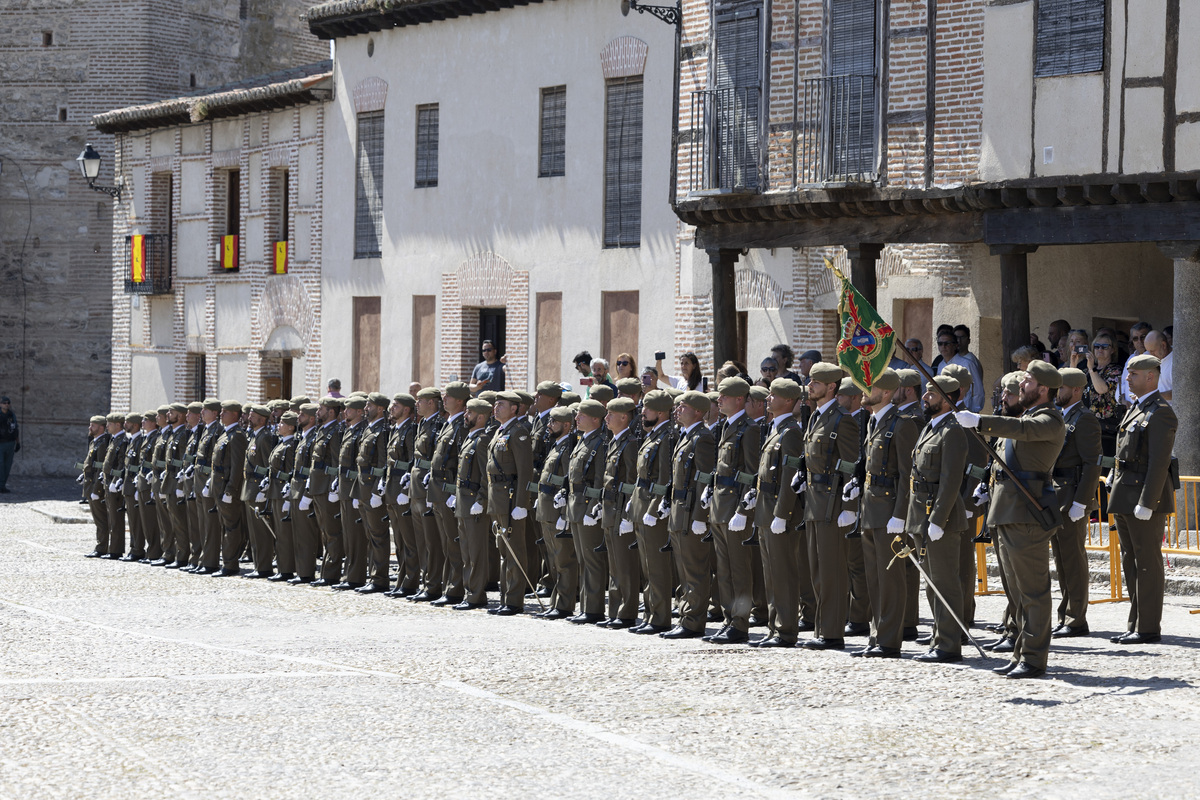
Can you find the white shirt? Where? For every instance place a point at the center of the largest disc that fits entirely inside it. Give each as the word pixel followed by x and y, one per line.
pixel 878 415
pixel 1164 379
pixel 825 407
pixel 933 423
pixel 688 429
pixel 731 420
pixel 775 422
pixel 973 399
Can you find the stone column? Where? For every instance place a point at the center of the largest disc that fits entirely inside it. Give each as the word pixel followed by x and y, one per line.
pixel 863 258
pixel 724 306
pixel 1185 363
pixel 1014 298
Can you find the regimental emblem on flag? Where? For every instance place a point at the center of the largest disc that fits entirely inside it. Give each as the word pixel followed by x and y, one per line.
pixel 137 259
pixel 229 251
pixel 867 341
pixel 281 258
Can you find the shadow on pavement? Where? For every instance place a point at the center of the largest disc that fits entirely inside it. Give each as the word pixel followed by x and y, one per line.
pixel 29 490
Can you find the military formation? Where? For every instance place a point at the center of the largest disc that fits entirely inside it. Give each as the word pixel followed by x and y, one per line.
pixel 801 508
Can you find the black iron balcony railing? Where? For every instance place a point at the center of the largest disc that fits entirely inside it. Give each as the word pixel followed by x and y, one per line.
pixel 148 263
pixel 837 139
pixel 724 156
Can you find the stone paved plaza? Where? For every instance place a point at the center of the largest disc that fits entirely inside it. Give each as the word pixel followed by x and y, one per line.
pixel 125 681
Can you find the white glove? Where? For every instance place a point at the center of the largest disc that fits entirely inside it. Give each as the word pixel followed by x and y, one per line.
pixel 846 519
pixel 649 520
pixel 260 498
pixel 179 492
pixel 379 487
pixel 405 480
pixel 628 505
pixel 737 522
pixel 626 527
pixel 1141 512
pixel 664 508
pixel 589 521
pixel 354 502
pixel 425 480
pixel 1108 482
pixel 264 483
pixel 451 501
pixel 114 487
pixel 305 503
pixel 935 532
pixel 79 479
pixel 376 501
pixel 333 497
pixel 517 513
pixel 895 525
pixel 968 419
pixel 969 513
pixel 162 476
pixel 205 491
pixel 980 495
pixel 560 525
pixel 699 528
pixel 1076 512
pixel 560 499
pixel 333 487
pixel 778 525
pixel 137 495
pixel 477 509
pixel 94 496
pixel 705 496
pixel 402 499
pixel 750 499
pixel 226 499
pixel 287 505
pixel 798 483
pixel 850 491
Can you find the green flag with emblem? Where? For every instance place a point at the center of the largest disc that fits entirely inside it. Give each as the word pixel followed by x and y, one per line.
pixel 866 340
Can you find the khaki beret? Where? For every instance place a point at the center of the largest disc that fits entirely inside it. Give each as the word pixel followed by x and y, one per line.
pixel 601 393
pixel 329 401
pixel 909 377
pixel 380 399
pixel 562 414
pixel 458 390
pixel 825 372
pixel 165 409
pixel 712 397
pixel 404 399
pixel 1012 381
pixel 429 393
pixel 733 387
pixel 947 382
pixel 478 406
pixel 550 389
pixel 960 374
pixel 133 416
pixel 275 405
pixel 356 401
pixel 508 396
pixel 848 388
pixel 622 405
pixel 810 355
pixel 309 408
pixel 758 392
pixel 289 418
pixel 299 400
pixel 152 415
pixel 488 397
pixel 231 405
pixel 696 400
pixel 569 398
pixel 673 393
pixel 262 411
pixel 887 380
pixel 658 400
pixel 212 404
pixel 197 407
pixel 1144 361
pixel 1071 378
pixel 786 388
pixel 115 416
pixel 593 408
pixel 183 408
pixel 525 397
pixel 1044 373
pixel 97 420
pixel 358 393
pixel 630 386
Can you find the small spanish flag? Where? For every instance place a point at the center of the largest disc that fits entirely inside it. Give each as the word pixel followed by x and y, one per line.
pixel 281 258
pixel 137 258
pixel 229 252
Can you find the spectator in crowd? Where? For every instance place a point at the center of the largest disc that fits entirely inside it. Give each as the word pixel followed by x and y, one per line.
pixel 1157 346
pixel 1078 349
pixel 769 370
pixel 901 360
pixel 1169 332
pixel 334 388
pixel 807 359
pixel 1102 393
pixel 600 375
pixel 649 378
pixel 784 356
pixel 733 369
pixel 942 354
pixel 583 363
pixel 1021 357
pixel 689 373
pixel 10 441
pixel 488 375
pixel 953 348
pixel 414 387
pixel 626 366
pixel 1137 338
pixel 1058 330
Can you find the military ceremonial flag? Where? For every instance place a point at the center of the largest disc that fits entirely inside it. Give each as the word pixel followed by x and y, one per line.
pixel 866 343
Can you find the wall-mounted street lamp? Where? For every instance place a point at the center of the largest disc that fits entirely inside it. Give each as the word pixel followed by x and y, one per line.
pixel 89 167
pixel 672 15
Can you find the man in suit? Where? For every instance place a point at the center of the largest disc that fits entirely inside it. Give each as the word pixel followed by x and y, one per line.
pixel 1077 474
pixel 400 453
pixel 650 504
pixel 225 487
pixel 1034 441
pixel 887 459
pixel 585 478
pixel 1142 495
pixel 441 485
pixel 509 469
pixel 256 487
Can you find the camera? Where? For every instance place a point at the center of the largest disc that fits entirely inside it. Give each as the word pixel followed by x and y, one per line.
pixel 660 355
pixel 586 381
pixel 1081 349
pixel 647 380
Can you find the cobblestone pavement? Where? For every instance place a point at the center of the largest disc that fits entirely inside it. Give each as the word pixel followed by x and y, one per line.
pixel 125 681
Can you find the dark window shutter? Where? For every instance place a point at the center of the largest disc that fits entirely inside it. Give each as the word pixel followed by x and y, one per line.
pixel 738 96
pixel 623 162
pixel 368 186
pixel 552 147
pixel 427 146
pixel 851 92
pixel 1070 37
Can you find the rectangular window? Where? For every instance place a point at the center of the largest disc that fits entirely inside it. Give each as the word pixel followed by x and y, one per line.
pixel 552 143
pixel 233 203
pixel 427 146
pixel 623 162
pixel 368 186
pixel 1070 37
pixel 851 97
pixel 737 97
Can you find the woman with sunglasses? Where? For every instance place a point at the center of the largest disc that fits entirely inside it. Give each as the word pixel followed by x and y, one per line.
pixel 626 366
pixel 1100 394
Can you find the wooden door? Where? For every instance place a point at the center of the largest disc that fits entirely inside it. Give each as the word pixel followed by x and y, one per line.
pixel 917 323
pixel 619 325
pixel 424 333
pixel 366 344
pixel 549 337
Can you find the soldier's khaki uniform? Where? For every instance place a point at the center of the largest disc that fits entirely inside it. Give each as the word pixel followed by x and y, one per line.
pixel 509 468
pixel 354 533
pixel 225 488
pixel 280 464
pixel 1077 474
pixel 977 462
pixel 785 586
pixel 560 551
pixel 1034 442
pixel 939 463
pixel 585 477
pixel 306 532
pixel 425 530
pixel 692 464
pixel 1144 444
pixel 255 470
pixel 912 577
pixel 473 529
pixel 94 489
pixel 210 503
pixel 372 469
pixel 400 454
pixel 737 469
pixel 443 477
pixel 624 568
pixel 162 486
pixel 859 612
pixel 327 443
pixel 651 497
pixel 539 557
pixel 114 501
pixel 129 470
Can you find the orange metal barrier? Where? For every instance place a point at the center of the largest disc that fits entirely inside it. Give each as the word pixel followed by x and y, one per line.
pixel 1183 527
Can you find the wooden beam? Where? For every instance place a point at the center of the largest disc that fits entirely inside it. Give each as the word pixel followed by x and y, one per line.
pixel 724 305
pixel 863 258
pixel 1144 222
pixel 907 229
pixel 1014 301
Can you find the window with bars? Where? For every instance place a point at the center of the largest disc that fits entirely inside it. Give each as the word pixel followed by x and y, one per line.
pixel 552 143
pixel 427 145
pixel 623 162
pixel 1070 37
pixel 737 99
pixel 850 97
pixel 368 186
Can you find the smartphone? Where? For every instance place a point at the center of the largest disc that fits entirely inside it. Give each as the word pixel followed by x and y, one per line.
pixel 586 381
pixel 660 355
pixel 1081 349
pixel 647 380
pixel 704 383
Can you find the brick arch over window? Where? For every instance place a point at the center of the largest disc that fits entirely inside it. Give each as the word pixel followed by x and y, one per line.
pixel 369 95
pixel 485 280
pixel 623 57
pixel 758 290
pixel 285 304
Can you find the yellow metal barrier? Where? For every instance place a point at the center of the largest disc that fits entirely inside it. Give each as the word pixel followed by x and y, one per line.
pixel 1183 527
